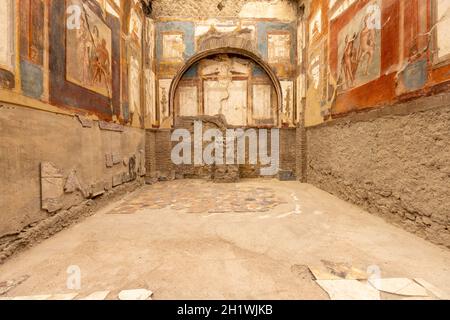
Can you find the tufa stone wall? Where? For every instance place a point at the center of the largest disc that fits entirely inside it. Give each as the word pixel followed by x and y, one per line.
pixel 394 162
pixel 54 168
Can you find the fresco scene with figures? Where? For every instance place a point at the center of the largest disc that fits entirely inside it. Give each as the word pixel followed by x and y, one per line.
pixel 89 54
pixel 360 48
pixel 224 149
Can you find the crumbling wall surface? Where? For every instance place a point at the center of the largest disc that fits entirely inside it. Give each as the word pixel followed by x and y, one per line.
pixel 394 162
pixel 52 166
pixel 227 9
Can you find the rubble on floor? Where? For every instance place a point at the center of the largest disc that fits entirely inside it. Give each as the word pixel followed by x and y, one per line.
pixel 342 281
pixel 135 294
pixel 349 290
pixel 6 286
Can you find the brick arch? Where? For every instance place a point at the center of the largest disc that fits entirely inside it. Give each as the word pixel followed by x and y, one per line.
pixel 226 50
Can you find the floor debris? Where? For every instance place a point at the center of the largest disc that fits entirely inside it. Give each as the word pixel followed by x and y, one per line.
pixel 399 286
pixel 99 295
pixel 6 286
pixel 302 271
pixel 31 298
pixel 137 294
pixel 349 290
pixel 63 296
pixel 438 293
pixel 337 271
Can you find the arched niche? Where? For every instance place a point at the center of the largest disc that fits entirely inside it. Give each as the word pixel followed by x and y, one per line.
pixel 239 52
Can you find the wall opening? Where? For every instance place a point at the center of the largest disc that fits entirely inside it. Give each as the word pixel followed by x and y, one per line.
pixel 229 81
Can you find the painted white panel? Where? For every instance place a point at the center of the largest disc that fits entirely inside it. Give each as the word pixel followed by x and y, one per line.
pixel 188 98
pixel 7 34
pixel 228 98
pixel 262 98
pixel 443 27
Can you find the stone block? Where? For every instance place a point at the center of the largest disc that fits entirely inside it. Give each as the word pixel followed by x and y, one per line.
pixel 286 175
pixel 109 160
pixel 137 294
pixel 52 187
pixel 49 170
pixel 116 158
pixel 110 126
pixel 85 122
pixel 108 184
pixel 117 180
pixel 98 189
pixel 73 184
pixel 151 180
pixel 126 177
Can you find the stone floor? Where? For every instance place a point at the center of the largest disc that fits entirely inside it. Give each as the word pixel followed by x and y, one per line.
pixel 257 239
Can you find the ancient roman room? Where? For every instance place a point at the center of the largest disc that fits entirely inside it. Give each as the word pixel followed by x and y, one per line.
pixel 224 150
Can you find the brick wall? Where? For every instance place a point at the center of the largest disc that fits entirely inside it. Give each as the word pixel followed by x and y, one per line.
pixel 159 147
pixel 288 149
pixel 150 152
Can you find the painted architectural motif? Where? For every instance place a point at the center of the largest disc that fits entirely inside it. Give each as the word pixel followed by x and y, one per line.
pixel 173 47
pixel 279 47
pixel 163 96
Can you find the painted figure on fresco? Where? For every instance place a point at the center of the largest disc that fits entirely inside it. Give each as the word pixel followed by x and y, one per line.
pixel 315 28
pixel 287 105
pixel 349 61
pixel 360 51
pixel 83 48
pixel 100 63
pixel 367 41
pixel 164 102
pixel 134 87
pixel 98 55
pixel 88 53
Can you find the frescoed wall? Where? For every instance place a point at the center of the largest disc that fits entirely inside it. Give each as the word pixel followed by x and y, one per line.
pixel 272 35
pixel 374 53
pixel 7 44
pixel 377 108
pixel 78 56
